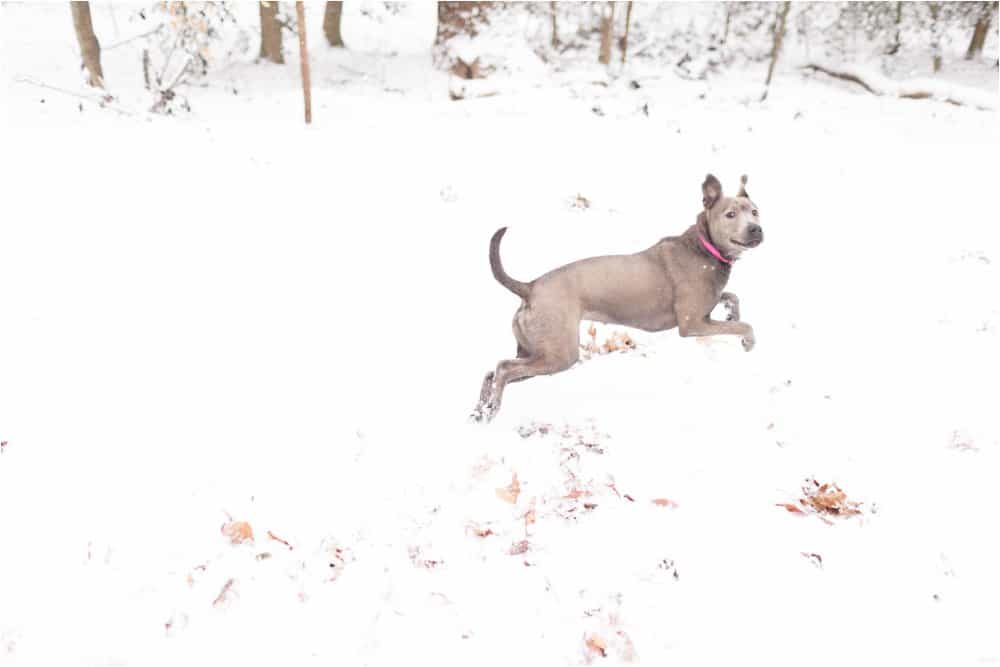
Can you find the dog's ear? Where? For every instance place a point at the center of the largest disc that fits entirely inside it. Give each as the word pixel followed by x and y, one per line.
pixel 711 191
pixel 743 187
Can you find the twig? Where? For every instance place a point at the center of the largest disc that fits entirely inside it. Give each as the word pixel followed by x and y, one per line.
pixel 101 102
pixel 180 74
pixel 222 594
pixel 132 39
pixel 278 539
pixel 170 54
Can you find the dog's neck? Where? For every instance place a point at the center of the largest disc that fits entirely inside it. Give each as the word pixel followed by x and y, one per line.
pixel 700 238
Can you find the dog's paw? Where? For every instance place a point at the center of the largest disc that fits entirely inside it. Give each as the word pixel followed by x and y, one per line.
pixel 484 413
pixel 748 342
pixel 732 314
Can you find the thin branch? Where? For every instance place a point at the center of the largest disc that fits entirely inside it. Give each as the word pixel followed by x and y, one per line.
pixel 844 76
pixel 132 39
pixel 103 101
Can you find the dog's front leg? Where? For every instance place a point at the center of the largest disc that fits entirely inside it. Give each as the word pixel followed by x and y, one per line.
pixel 703 326
pixel 732 304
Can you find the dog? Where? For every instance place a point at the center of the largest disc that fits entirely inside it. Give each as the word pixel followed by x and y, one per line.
pixel 675 283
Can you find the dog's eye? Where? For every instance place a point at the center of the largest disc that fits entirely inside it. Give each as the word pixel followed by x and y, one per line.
pixel 754 212
pixel 731 214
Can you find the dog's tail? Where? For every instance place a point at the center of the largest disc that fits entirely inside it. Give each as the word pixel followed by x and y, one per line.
pixel 515 286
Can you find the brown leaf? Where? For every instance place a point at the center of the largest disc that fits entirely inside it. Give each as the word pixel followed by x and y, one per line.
pixel 791 508
pixel 664 502
pixel 596 644
pixel 509 493
pixel 237 531
pixel 577 493
pixel 530 517
pixel 815 559
pixel 478 530
pixel 518 548
pixel 629 498
pixel 828 499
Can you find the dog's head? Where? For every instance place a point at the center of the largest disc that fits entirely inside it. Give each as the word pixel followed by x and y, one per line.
pixel 732 222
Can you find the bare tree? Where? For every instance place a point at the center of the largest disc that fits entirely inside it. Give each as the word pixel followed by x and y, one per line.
pixel 983 22
pixel 300 15
pixel 935 10
pixel 331 23
pixel 896 40
pixel 90 49
pixel 270 33
pixel 555 27
pixel 779 35
pixel 628 22
pixel 607 28
pixel 728 8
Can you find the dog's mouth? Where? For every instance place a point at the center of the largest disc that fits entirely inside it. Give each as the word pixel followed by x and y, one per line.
pixel 749 244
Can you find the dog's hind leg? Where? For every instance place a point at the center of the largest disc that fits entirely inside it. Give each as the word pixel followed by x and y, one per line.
pixel 514 370
pixel 485 392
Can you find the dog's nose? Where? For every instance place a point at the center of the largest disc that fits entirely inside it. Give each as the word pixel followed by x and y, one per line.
pixel 755 232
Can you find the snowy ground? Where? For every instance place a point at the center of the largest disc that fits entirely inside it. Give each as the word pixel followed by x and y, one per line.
pixel 231 317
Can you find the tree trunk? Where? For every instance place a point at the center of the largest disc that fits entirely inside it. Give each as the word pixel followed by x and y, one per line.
pixel 779 35
pixel 300 15
pixel 555 28
pixel 331 23
pixel 935 10
pixel 729 14
pixel 270 33
pixel 979 33
pixel 607 24
pixel 90 49
pixel 628 22
pixel 896 41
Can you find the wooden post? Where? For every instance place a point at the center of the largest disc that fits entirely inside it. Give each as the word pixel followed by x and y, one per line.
pixel 300 14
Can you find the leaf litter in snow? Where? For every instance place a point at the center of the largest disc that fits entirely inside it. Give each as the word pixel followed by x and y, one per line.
pixel 579 203
pixel 238 532
pixel 616 341
pixel 509 493
pixel 606 636
pixel 822 501
pixel 962 441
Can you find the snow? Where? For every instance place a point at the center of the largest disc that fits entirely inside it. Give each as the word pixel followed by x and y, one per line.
pixel 226 314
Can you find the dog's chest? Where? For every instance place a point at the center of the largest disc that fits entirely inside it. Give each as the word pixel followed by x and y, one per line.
pixel 714 278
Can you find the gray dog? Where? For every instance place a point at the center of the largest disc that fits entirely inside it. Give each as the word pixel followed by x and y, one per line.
pixel 675 283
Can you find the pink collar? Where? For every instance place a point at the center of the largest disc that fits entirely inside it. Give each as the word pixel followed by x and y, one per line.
pixel 713 250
